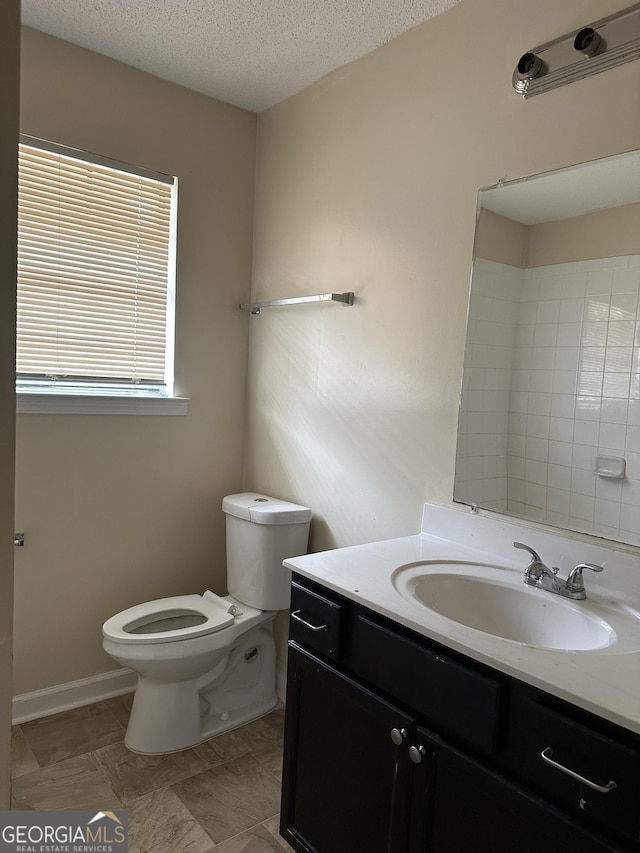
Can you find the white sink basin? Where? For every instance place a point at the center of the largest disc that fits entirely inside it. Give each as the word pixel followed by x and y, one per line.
pixel 495 601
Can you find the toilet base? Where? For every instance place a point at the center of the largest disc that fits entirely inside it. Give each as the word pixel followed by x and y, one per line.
pixel 212 726
pixel 172 716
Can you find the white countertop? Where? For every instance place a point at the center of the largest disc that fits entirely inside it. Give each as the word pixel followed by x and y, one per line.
pixel 602 681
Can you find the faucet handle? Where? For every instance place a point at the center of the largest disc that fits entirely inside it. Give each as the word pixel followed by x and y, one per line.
pixel 575 580
pixel 535 557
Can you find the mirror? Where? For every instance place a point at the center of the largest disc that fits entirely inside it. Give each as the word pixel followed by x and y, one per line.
pixel 549 420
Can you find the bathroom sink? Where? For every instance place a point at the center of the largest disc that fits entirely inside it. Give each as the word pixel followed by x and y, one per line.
pixel 495 601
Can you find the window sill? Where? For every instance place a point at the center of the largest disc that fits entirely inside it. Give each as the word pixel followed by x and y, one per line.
pixel 94 404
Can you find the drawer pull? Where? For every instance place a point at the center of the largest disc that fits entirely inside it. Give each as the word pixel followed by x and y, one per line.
pixel 306 624
pixel 546 754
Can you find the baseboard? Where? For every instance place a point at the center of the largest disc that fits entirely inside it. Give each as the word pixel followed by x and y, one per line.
pixel 72 694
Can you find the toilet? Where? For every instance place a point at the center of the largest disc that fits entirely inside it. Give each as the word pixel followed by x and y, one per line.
pixel 206 663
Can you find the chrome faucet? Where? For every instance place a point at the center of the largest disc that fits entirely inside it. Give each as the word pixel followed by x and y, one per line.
pixel 539 575
pixel 575 581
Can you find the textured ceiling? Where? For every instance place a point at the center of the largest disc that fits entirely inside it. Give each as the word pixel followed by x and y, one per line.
pixel 252 53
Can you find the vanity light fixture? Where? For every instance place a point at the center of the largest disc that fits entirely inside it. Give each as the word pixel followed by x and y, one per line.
pixel 528 67
pixel 598 47
pixel 588 41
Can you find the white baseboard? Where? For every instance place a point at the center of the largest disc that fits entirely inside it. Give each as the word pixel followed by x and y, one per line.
pixel 72 694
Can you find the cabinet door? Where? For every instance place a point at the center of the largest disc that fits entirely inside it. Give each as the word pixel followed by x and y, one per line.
pixel 346 783
pixel 461 807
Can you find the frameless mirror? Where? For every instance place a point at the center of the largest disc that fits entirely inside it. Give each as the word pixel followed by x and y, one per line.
pixel 549 421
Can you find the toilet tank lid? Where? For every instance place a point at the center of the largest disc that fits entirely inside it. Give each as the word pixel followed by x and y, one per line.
pixel 261 509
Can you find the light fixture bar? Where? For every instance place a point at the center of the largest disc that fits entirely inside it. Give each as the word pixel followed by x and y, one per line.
pixel 602 45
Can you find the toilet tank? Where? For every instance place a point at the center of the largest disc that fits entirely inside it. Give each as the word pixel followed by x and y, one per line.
pixel 261 533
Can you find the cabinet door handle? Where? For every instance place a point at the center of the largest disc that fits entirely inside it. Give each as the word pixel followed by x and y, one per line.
pixel 398 735
pixel 295 615
pixel 417 753
pixel 546 754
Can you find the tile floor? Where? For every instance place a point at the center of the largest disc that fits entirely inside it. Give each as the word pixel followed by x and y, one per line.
pixel 222 796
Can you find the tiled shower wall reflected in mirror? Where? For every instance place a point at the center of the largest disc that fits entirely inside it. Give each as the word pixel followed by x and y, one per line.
pixel 552 381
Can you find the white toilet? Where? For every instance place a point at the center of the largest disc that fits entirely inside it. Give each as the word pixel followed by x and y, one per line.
pixel 206 663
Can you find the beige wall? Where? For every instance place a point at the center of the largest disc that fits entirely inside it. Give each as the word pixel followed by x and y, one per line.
pixel 118 510
pixel 500 239
pixel 367 181
pixel 602 234
pixel 9 91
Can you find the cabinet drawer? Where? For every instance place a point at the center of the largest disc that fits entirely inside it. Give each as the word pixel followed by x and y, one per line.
pixel 576 749
pixel 477 810
pixel 454 700
pixel 316 621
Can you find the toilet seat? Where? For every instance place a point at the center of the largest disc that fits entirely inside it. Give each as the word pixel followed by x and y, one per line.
pixel 179 617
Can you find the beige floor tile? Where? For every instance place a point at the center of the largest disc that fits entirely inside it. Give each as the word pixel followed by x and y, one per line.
pixel 160 823
pixel 271 758
pixel 228 786
pixel 132 775
pixel 76 783
pixel 248 738
pixel 72 733
pixel 231 797
pixel 255 840
pixel 273 825
pixel 22 758
pixel 120 707
pixel 276 720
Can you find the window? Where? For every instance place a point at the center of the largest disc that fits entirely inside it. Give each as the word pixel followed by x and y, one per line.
pixel 96 261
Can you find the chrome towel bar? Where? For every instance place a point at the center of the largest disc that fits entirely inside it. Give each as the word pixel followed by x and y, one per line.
pixel 255 307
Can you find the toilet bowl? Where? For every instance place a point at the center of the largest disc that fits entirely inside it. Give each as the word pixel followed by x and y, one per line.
pixel 206 663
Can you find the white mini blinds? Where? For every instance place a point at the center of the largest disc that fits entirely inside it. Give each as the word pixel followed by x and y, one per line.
pixel 95 274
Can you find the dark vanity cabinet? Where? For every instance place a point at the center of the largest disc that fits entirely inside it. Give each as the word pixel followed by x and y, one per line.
pixel 350 783
pixel 461 805
pixel 394 744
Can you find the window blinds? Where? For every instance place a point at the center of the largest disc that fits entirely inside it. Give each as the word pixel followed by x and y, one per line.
pixel 94 251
